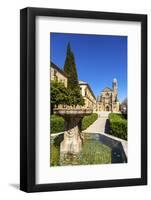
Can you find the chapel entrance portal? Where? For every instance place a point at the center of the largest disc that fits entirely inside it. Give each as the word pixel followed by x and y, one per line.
pixel 107 108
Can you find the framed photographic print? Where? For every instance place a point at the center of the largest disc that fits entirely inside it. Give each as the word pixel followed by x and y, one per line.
pixel 83 99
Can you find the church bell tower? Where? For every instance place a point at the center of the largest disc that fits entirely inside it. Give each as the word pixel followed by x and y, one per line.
pixel 114 86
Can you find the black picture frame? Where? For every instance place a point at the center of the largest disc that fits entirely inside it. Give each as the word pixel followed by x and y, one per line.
pixel 28 99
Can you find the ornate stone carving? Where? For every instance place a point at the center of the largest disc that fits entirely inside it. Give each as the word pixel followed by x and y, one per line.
pixel 72 143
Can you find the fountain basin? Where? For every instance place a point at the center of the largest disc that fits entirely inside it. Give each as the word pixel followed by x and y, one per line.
pixel 72 142
pixel 97 149
pixel 65 112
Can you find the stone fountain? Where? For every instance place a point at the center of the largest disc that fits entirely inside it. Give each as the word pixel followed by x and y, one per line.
pixel 72 142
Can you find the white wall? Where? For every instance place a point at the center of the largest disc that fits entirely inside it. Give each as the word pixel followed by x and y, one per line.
pixel 9 98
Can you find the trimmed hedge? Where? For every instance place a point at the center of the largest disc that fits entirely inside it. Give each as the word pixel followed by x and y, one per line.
pixel 118 125
pixel 56 124
pixel 88 120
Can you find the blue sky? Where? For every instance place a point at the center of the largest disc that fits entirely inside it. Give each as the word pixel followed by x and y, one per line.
pixel 99 59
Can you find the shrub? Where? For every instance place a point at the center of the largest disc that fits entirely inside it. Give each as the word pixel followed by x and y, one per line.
pixel 88 120
pixel 54 155
pixel 118 125
pixel 57 124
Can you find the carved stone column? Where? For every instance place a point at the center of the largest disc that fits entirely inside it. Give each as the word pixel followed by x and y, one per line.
pixel 71 145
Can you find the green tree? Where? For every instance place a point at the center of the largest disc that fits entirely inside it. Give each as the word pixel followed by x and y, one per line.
pixel 74 95
pixel 59 94
pixel 70 68
pixel 67 65
pixel 65 96
pixel 73 74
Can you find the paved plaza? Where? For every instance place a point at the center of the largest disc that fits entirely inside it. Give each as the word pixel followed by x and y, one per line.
pixel 100 125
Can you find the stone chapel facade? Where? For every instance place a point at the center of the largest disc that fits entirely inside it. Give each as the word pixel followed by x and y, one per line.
pixel 107 100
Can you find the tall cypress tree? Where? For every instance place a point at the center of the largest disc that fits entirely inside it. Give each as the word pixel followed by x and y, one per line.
pixel 68 62
pixel 70 68
pixel 71 71
pixel 74 75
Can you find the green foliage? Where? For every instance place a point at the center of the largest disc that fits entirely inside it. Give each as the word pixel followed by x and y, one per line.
pixel 88 120
pixel 55 150
pixel 57 124
pixel 67 65
pixel 118 125
pixel 59 93
pixel 70 95
pixel 62 95
pixel 73 90
pixel 70 69
pixel 54 155
pixel 74 97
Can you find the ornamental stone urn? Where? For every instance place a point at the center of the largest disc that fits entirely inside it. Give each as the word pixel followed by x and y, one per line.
pixel 72 142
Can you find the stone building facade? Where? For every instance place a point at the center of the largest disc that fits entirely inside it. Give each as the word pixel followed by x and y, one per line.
pixel 87 93
pixel 58 74
pixel 108 101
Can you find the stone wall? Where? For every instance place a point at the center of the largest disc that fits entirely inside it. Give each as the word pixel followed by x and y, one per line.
pixel 56 75
pixel 90 101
